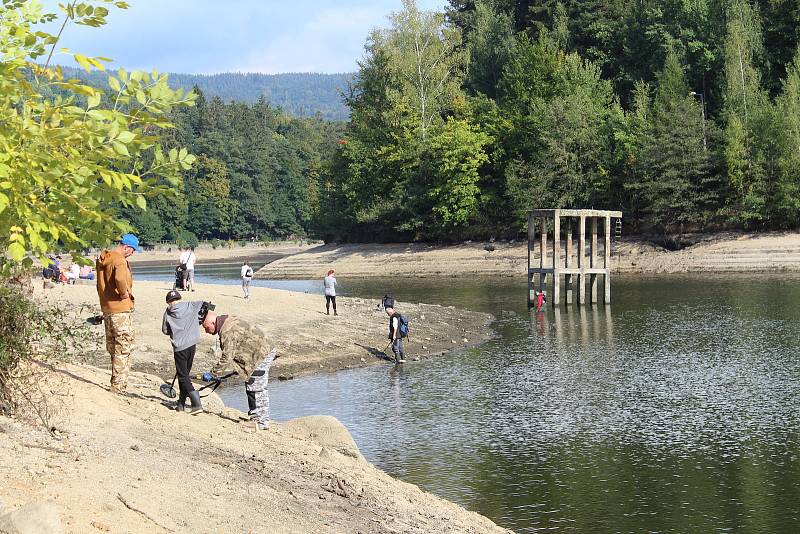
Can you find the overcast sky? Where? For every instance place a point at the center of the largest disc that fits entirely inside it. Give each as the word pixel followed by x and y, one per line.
pixel 210 36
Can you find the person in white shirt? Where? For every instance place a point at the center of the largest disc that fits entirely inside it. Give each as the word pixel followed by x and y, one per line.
pixel 188 258
pixel 74 273
pixel 330 292
pixel 247 276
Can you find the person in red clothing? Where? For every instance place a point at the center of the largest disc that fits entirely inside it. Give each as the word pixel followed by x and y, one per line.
pixel 541 298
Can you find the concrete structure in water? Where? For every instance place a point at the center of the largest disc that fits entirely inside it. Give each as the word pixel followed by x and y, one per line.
pixel 577 269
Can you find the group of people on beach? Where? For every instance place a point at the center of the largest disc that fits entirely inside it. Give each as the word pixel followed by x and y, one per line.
pixel 245 348
pixel 55 273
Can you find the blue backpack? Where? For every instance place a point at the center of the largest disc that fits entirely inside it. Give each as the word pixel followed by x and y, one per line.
pixel 402 325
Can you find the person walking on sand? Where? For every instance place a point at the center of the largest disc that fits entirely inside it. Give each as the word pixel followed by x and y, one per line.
pixel 188 259
pixel 330 292
pixel 115 290
pixel 247 277
pixel 181 323
pixel 246 350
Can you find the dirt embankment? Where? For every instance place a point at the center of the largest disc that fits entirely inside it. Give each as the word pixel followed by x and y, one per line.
pixel 723 252
pixel 128 464
pixel 308 340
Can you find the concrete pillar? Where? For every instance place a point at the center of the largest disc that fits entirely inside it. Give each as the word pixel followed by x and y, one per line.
pixel 593 259
pixel 531 232
pixel 607 261
pixel 543 250
pixel 581 259
pixel 555 297
pixel 569 279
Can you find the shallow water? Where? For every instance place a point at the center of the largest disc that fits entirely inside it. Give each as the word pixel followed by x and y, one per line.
pixel 674 410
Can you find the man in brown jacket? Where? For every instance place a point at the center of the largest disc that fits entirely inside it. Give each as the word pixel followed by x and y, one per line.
pixel 246 350
pixel 115 289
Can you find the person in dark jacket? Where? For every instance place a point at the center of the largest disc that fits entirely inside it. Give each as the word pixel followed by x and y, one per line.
pixel 181 323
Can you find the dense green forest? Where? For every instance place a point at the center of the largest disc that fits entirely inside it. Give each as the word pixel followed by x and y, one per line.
pixel 257 174
pixel 683 114
pixel 298 94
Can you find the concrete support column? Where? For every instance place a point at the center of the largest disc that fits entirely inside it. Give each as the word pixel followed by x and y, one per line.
pixel 543 250
pixel 531 232
pixel 555 297
pixel 582 259
pixel 569 279
pixel 607 260
pixel 593 259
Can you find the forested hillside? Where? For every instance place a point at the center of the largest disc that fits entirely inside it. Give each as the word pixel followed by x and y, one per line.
pixel 298 94
pixel 685 115
pixel 258 172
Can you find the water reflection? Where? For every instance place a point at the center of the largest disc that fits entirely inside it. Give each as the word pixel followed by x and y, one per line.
pixel 675 410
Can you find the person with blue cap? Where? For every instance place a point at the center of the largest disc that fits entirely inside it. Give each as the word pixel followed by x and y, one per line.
pixel 115 289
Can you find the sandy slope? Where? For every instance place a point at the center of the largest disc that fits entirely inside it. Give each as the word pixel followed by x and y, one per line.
pixel 129 464
pixel 723 252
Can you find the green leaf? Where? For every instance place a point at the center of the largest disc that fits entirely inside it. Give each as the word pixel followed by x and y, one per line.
pixel 141 202
pixel 120 148
pixel 83 61
pixel 16 251
pixel 93 101
pixel 114 84
pixel 126 137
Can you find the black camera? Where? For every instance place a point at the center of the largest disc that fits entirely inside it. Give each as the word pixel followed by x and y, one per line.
pixel 205 307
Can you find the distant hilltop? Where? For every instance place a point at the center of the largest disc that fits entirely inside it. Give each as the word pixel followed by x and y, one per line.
pixel 298 94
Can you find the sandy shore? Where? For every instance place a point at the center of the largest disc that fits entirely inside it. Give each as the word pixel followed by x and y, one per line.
pixel 724 252
pixel 129 464
pixel 308 340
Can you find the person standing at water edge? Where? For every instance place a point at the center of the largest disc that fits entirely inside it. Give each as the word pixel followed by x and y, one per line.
pixel 247 277
pixel 115 290
pixel 394 331
pixel 330 292
pixel 181 323
pixel 246 350
pixel 188 259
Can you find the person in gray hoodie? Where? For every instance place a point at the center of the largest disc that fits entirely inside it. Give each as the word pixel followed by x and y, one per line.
pixel 182 324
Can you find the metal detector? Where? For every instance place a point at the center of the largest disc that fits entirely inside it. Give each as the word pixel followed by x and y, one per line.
pixel 168 390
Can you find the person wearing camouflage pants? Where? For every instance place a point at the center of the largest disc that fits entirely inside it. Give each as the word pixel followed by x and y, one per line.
pixel 247 350
pixel 115 290
pixel 256 388
pixel 120 345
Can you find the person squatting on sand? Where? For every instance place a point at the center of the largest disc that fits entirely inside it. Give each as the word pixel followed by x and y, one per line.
pixel 247 277
pixel 246 350
pixel 181 323
pixel 330 292
pixel 115 290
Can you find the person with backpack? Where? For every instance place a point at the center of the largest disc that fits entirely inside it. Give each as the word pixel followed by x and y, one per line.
pixel 188 259
pixel 247 277
pixel 181 323
pixel 398 329
pixel 330 292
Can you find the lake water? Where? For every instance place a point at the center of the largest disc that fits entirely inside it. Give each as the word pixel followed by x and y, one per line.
pixel 676 409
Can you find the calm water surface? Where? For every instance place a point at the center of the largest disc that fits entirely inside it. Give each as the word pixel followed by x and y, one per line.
pixel 675 410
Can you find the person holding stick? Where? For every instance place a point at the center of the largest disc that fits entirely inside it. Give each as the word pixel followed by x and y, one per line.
pixel 181 323
pixel 247 350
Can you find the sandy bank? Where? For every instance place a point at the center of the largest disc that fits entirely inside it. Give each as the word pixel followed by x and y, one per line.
pixel 129 464
pixel 308 340
pixel 724 252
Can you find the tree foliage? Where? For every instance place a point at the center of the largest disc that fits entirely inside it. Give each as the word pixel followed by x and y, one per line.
pixel 68 162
